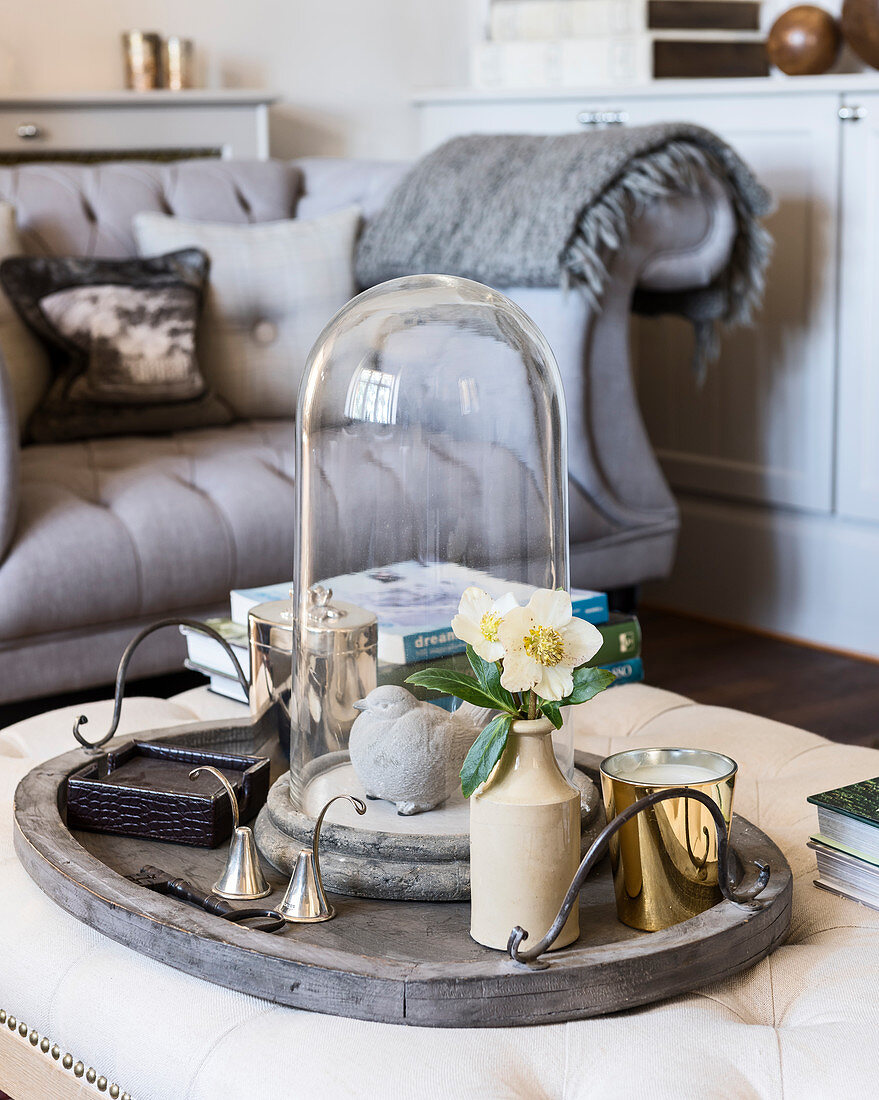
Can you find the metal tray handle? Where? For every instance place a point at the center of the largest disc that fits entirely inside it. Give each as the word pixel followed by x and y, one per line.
pixel 726 878
pixel 191 624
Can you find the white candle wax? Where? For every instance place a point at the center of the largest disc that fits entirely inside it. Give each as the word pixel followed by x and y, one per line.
pixel 670 775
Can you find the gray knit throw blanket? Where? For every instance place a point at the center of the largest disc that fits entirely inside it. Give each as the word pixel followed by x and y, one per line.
pixel 519 210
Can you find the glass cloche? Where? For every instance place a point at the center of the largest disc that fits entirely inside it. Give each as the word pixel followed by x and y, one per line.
pixel 431 455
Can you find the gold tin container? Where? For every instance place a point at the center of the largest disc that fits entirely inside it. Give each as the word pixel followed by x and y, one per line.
pixel 177 66
pixel 665 859
pixel 142 51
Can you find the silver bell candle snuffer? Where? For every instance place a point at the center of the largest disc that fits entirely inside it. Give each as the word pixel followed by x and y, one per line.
pixel 305 901
pixel 242 878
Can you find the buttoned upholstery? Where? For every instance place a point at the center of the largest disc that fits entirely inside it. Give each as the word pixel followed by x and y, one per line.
pixel 100 538
pixel 801 1024
pixel 77 210
pixel 154 525
pixel 272 289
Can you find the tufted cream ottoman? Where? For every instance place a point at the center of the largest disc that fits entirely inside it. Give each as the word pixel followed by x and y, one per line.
pixel 802 1023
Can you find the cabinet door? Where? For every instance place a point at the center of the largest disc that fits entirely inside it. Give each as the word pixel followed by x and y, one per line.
pixel 760 428
pixel 858 424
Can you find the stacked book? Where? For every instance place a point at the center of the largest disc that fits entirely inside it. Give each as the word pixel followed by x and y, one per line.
pixel 596 43
pixel 414 605
pixel 847 842
pixel 545 43
pixel 706 38
pixel 207 656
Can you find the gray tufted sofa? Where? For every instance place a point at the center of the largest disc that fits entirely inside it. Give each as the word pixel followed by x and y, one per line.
pixel 101 537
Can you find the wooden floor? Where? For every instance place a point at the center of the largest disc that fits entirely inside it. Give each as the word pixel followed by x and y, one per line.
pixel 827 693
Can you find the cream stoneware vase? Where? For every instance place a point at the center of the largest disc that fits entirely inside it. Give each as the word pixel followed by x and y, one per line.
pixel 524 842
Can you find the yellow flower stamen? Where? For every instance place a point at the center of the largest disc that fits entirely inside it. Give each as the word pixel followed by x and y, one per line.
pixel 488 626
pixel 544 645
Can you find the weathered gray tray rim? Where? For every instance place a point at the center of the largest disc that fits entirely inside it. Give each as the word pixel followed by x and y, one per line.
pixel 329 969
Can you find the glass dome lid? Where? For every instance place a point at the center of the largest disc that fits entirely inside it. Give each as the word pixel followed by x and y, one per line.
pixel 431 455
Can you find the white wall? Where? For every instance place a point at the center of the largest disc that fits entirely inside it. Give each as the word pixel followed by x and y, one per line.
pixel 345 68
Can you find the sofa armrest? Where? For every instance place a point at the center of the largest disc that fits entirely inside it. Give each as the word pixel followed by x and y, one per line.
pixel 9 461
pixel 617 487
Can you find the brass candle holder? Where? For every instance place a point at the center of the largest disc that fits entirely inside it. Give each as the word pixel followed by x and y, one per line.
pixel 675 863
pixel 665 860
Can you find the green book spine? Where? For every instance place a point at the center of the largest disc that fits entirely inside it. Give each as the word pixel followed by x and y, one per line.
pixel 622 640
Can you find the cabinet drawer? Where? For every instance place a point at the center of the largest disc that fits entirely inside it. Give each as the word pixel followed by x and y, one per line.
pixel 230 130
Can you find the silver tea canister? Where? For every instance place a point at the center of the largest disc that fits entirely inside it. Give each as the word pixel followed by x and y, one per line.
pixel 270 630
pixel 335 667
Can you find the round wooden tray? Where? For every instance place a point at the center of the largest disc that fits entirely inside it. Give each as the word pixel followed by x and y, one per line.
pixel 390 961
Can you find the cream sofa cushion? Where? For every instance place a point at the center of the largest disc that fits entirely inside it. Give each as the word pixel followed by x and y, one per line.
pixel 801 1023
pixel 273 287
pixel 26 360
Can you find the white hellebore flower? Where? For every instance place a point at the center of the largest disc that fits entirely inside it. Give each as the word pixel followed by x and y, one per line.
pixel 544 643
pixel 478 619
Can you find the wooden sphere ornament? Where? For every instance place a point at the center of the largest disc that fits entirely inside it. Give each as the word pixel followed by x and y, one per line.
pixel 860 27
pixel 804 41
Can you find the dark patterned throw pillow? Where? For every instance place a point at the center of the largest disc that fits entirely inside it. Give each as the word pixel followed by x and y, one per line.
pixel 122 335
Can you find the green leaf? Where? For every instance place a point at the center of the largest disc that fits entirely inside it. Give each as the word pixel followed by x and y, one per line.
pixel 588 682
pixel 484 753
pixel 553 712
pixel 454 683
pixel 489 677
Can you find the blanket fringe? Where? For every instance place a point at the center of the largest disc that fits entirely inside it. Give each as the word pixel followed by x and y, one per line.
pixel 604 227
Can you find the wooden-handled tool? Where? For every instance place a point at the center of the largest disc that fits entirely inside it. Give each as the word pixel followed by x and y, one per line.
pixel 164 883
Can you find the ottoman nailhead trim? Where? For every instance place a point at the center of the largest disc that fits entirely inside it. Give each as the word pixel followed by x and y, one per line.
pixel 47 1047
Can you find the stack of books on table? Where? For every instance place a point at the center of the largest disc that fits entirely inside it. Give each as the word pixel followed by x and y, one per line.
pixel 847 842
pixel 595 43
pixel 207 656
pixel 414 605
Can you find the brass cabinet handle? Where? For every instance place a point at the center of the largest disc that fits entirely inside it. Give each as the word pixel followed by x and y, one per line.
pixel 603 118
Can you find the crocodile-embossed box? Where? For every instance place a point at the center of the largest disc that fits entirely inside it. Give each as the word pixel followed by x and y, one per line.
pixel 143 789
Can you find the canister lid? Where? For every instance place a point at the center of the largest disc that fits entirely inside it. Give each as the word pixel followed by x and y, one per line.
pixel 334 624
pixel 271 624
pixel 275 612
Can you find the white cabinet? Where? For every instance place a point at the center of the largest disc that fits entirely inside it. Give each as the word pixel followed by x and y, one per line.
pixel 228 123
pixel 761 427
pixel 857 475
pixel 775 460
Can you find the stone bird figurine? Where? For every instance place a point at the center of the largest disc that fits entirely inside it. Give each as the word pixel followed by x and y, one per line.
pixel 406 751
